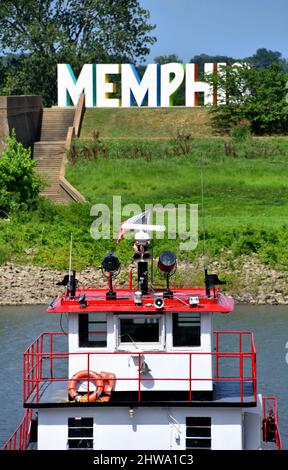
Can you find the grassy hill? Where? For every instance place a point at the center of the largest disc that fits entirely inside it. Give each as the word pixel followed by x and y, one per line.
pixel 139 158
pixel 145 123
pixel 246 183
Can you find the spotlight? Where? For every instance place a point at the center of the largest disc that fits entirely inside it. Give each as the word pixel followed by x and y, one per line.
pixel 111 263
pixel 167 261
pixel 159 301
pixel 137 256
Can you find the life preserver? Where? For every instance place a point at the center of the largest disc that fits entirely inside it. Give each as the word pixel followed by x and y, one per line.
pixel 84 375
pixel 109 382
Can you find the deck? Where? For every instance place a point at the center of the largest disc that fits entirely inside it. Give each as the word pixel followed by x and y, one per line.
pixel 54 394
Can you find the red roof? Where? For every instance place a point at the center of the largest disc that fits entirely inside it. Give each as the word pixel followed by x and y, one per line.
pixel 95 301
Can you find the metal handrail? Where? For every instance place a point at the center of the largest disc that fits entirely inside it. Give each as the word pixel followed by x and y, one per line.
pixel 19 439
pixel 35 355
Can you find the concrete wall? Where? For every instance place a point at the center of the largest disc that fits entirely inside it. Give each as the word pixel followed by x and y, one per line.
pixel 22 113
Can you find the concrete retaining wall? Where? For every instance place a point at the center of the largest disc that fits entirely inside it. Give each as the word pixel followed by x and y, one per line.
pixel 22 113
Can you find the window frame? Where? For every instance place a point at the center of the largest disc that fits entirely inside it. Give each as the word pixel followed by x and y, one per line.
pixel 140 346
pixel 184 348
pixel 198 429
pixel 80 427
pixel 91 346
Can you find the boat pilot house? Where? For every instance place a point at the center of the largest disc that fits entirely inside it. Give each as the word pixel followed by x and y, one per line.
pixel 141 367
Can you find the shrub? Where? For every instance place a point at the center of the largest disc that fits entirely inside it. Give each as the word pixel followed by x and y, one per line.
pixel 182 142
pixel 20 184
pixel 241 132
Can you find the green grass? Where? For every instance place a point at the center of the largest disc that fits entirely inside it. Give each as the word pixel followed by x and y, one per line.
pixel 145 123
pixel 246 204
pixel 238 191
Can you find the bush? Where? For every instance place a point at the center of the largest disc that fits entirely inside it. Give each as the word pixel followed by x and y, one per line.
pixel 241 132
pixel 19 182
pixel 255 94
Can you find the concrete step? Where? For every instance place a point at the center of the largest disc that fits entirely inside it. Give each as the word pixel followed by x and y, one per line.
pixel 55 123
pixel 50 150
pixel 49 157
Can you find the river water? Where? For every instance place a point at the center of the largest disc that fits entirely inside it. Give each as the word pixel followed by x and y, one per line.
pixel 20 325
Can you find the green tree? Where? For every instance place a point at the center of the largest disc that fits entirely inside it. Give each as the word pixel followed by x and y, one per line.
pixel 264 58
pixel 20 184
pixel 42 33
pixel 202 59
pixel 254 95
pixel 167 59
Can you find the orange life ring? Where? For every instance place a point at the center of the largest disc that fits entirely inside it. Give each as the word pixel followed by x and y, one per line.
pixel 84 375
pixel 109 382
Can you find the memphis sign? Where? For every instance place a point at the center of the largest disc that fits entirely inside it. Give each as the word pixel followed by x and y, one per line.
pixel 155 89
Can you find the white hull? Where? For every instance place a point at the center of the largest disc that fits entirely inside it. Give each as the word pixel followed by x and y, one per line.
pixel 152 428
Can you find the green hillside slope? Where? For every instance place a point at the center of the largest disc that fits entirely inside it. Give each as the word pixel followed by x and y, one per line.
pixel 143 123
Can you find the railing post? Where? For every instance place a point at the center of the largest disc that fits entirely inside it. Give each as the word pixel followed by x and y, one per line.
pixel 217 355
pixel 37 371
pixel 51 356
pixel 33 368
pixel 190 376
pixel 25 431
pixel 41 357
pixel 139 377
pixel 241 368
pixel 88 368
pixel 254 375
pixel 24 379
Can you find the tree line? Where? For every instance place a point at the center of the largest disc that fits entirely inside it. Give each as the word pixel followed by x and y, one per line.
pixel 36 35
pixel 261 58
pixel 256 91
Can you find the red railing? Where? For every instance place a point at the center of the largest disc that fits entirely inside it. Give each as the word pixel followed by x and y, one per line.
pixel 41 353
pixel 19 440
pixel 271 432
pixel 242 355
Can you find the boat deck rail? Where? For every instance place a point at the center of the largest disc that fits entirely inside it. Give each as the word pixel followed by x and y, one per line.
pixel 44 367
pixel 19 439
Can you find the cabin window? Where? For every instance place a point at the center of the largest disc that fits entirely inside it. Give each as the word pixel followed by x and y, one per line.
pixel 92 330
pixel 140 329
pixel 186 329
pixel 80 433
pixel 198 432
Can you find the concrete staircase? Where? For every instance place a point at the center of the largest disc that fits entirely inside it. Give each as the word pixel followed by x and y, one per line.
pixel 49 157
pixel 50 154
pixel 55 123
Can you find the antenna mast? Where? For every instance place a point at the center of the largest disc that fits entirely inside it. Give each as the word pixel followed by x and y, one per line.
pixel 203 215
pixel 70 257
pixel 204 231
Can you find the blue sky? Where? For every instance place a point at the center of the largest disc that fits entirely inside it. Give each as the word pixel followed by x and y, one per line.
pixel 235 28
